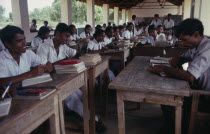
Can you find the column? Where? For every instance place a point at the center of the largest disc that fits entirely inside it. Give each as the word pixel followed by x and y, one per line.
pixel 106 13
pixel 129 15
pixel 187 8
pixel 66 11
pixel 204 15
pixel 180 10
pixel 20 14
pixel 123 15
pixel 197 9
pixel 116 15
pixel 91 13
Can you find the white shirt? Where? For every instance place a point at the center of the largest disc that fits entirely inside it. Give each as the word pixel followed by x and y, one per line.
pixel 128 35
pixel 74 37
pixel 168 24
pixel 108 40
pixel 48 51
pixel 94 45
pixel 1 45
pixel 9 67
pixel 156 23
pixel 83 35
pixel 151 40
pixel 137 32
pixel 32 27
pixel 144 31
pixel 37 41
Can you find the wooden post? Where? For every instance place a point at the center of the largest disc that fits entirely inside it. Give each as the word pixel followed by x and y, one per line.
pixel 106 13
pixel 123 15
pixel 91 13
pixel 66 11
pixel 116 16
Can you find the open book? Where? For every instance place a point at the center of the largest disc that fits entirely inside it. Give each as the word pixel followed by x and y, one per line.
pixel 36 80
pixel 5 106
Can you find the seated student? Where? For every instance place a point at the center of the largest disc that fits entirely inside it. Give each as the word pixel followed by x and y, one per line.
pixel 16 61
pixel 109 40
pixel 46 25
pixel 87 32
pixel 190 32
pixel 96 28
pixel 168 23
pixel 33 27
pixel 153 36
pixel 160 31
pixel 41 38
pixel 104 26
pixel 156 21
pixel 73 32
pixel 121 31
pixel 116 33
pixel 124 26
pixel 144 29
pixel 128 34
pixel 137 31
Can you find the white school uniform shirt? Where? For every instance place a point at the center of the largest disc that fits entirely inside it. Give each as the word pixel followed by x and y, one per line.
pixel 83 35
pixel 151 40
pixel 2 47
pixel 48 51
pixel 37 41
pixel 199 65
pixel 137 32
pixel 120 37
pixel 94 45
pixel 128 35
pixel 9 67
pixel 74 37
pixel 156 23
pixel 168 24
pixel 108 40
pixel 142 30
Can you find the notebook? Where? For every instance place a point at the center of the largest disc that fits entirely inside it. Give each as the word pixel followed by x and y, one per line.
pixel 5 106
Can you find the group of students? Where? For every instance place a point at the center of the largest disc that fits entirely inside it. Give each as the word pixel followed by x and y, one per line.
pixel 33 26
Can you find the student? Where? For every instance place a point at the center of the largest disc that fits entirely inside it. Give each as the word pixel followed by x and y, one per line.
pixel 121 31
pixel 16 61
pixel 134 21
pixel 41 38
pixel 104 26
pixel 124 26
pixel 144 29
pixel 137 31
pixel 168 23
pixel 153 36
pixel 116 33
pixel 109 36
pixel 33 27
pixel 73 33
pixel 190 33
pixel 46 25
pixel 113 25
pixel 156 21
pixel 109 24
pixel 87 32
pixel 128 34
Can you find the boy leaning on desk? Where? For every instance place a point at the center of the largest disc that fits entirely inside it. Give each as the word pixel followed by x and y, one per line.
pixel 190 32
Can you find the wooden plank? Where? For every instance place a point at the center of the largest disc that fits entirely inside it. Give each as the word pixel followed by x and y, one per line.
pixel 120 113
pixel 178 120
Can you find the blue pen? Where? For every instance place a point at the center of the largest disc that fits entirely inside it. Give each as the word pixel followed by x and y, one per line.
pixel 6 89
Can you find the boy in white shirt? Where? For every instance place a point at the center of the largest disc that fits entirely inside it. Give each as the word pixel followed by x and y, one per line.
pixel 87 32
pixel 121 31
pixel 137 31
pixel 168 23
pixel 41 38
pixel 144 29
pixel 128 34
pixel 73 36
pixel 109 40
pixel 156 21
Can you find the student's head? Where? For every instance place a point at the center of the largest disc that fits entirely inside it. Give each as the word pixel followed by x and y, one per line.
pixel 156 16
pixel 109 23
pixel 43 32
pixel 45 23
pixel 138 27
pixel 121 29
pixel 88 29
pixel 13 38
pixel 113 25
pixel 190 32
pixel 169 16
pixel 109 31
pixel 116 31
pixel 34 21
pixel 133 17
pixel 62 33
pixel 124 25
pixel 144 25
pixel 152 31
pixel 160 29
pixel 104 25
pixel 98 27
pixel 99 35
pixel 130 26
pixel 73 29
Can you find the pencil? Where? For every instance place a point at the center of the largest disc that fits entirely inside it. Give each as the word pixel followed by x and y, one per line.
pixel 6 90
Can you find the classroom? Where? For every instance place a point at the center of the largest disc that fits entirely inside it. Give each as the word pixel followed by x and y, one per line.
pixel 104 67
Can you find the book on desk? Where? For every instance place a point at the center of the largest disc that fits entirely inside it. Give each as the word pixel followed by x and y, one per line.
pixel 5 106
pixel 91 59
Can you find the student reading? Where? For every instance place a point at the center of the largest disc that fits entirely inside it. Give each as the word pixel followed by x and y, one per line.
pixel 190 34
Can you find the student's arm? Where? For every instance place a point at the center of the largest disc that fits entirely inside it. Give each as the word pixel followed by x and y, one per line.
pixel 178 61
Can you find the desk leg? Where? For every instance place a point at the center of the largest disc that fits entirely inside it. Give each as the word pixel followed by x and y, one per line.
pixel 105 91
pixel 92 100
pixel 121 113
pixel 178 120
pixel 62 124
pixel 54 119
pixel 85 106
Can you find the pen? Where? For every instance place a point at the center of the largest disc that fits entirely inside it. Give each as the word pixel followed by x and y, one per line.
pixel 66 54
pixel 6 89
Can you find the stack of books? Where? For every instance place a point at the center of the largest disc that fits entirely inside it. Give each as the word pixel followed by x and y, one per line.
pixel 160 61
pixel 37 80
pixel 70 67
pixel 5 106
pixel 91 59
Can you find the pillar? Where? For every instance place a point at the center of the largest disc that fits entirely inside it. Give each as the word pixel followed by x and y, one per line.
pixel 91 13
pixel 180 10
pixel 116 15
pixel 197 9
pixel 66 11
pixel 123 15
pixel 129 15
pixel 204 15
pixel 106 13
pixel 187 9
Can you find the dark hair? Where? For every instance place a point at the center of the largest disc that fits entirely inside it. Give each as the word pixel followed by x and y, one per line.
pixel 156 15
pixel 46 22
pixel 98 32
pixel 8 33
pixel 87 26
pixel 129 24
pixel 120 27
pixel 152 27
pixel 189 27
pixel 115 29
pixel 133 17
pixel 159 26
pixel 34 20
pixel 43 30
pixel 98 27
pixel 169 15
pixel 62 28
pixel 71 27
pixel 108 29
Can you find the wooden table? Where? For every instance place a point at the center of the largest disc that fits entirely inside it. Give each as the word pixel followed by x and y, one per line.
pixel 120 55
pixel 67 84
pixel 137 84
pixel 93 72
pixel 26 115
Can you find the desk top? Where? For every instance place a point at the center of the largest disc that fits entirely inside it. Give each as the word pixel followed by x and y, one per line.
pixel 110 51
pixel 136 77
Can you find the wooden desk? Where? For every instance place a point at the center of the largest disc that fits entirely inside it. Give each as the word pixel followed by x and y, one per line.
pixel 137 84
pixel 121 55
pixel 67 84
pixel 93 72
pixel 26 115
